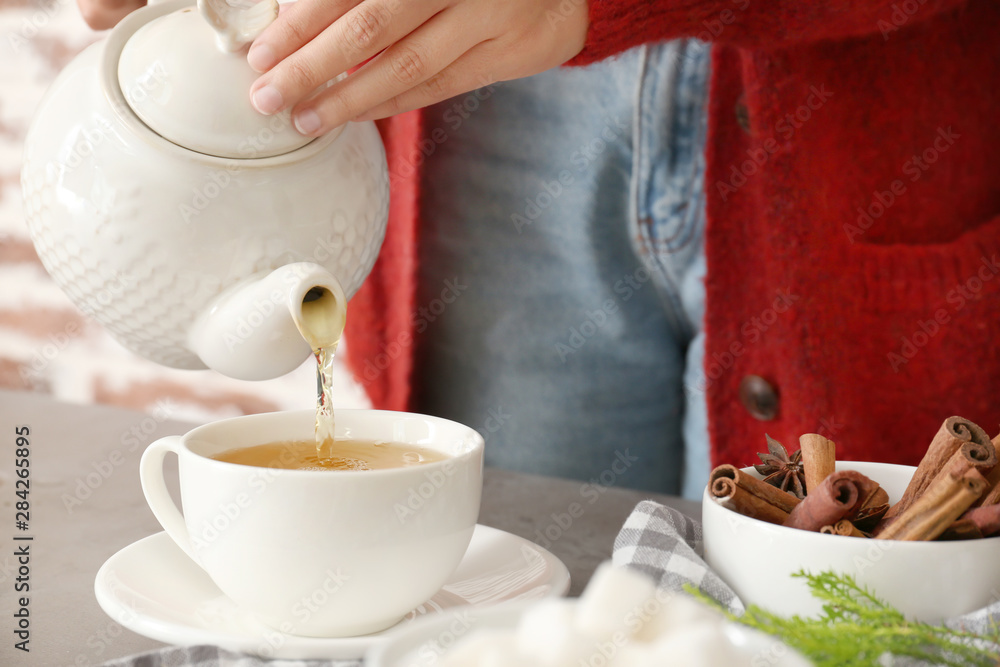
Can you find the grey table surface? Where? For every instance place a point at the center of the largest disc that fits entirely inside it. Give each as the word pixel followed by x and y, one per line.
pixel 86 504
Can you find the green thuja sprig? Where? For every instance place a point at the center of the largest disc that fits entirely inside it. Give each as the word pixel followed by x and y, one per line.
pixel 856 628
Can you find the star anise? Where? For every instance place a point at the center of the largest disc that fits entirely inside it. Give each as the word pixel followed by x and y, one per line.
pixel 781 470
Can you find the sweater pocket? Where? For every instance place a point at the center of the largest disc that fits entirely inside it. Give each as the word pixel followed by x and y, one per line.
pixel 928 278
pixel 908 337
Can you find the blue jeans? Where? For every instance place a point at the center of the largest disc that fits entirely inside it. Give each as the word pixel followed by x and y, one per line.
pixel 561 265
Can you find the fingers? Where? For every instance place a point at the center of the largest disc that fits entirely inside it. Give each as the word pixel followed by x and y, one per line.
pixel 105 14
pixel 408 63
pixel 297 24
pixel 359 34
pixel 470 72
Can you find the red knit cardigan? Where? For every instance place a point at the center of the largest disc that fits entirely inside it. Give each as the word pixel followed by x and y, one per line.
pixel 853 202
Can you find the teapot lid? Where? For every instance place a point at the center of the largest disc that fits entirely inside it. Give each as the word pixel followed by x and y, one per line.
pixel 189 82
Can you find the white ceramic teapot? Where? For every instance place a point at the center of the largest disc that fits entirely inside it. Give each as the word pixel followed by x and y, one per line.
pixel 187 224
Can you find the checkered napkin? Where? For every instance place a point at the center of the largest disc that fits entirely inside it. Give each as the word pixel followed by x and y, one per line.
pixel 667 545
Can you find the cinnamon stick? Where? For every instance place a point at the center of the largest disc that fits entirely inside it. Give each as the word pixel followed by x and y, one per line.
pixel 961 529
pixel 749 496
pixel 937 507
pixel 842 527
pixel 819 458
pixel 839 496
pixel 878 498
pixel 982 457
pixel 991 496
pixel 954 432
pixel 986 519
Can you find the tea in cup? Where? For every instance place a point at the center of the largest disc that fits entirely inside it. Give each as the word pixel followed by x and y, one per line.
pixel 322 550
pixel 338 455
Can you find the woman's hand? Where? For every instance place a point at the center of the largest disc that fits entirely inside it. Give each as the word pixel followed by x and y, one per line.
pixel 420 51
pixel 104 14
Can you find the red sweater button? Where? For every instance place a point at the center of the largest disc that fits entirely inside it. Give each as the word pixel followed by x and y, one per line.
pixel 759 397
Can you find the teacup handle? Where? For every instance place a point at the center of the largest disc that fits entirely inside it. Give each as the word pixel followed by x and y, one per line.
pixel 154 487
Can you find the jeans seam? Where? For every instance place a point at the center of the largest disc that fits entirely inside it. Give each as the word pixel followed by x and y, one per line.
pixel 643 219
pixel 635 194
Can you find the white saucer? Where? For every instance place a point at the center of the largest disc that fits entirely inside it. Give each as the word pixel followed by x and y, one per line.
pixel 152 588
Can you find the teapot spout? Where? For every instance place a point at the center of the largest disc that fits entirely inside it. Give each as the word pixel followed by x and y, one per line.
pixel 266 327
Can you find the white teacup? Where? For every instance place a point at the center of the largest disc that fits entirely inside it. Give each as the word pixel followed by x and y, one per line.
pixel 322 553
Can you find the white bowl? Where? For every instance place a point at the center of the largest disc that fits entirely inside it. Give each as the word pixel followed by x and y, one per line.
pixel 425 642
pixel 927 581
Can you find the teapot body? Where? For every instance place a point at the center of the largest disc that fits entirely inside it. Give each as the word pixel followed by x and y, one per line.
pixel 145 236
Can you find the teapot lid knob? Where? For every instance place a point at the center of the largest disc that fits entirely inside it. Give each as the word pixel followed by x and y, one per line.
pixel 237 22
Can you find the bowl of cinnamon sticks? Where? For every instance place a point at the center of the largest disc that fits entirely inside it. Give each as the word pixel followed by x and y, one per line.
pixel 925 539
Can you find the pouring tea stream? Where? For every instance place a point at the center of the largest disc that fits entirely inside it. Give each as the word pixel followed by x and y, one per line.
pixel 321 319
